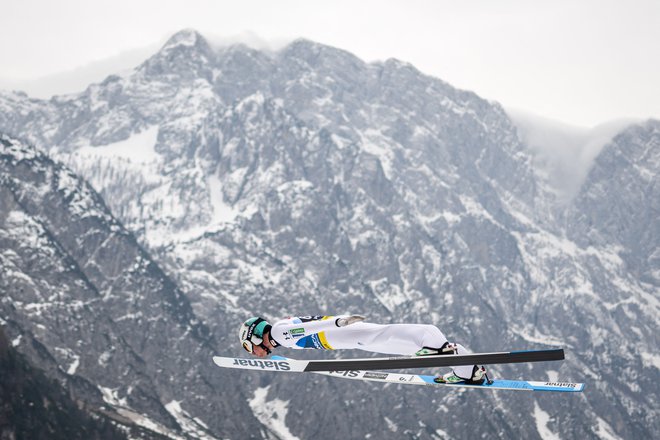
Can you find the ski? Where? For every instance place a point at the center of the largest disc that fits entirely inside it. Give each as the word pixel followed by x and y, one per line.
pixel 419 379
pixel 279 363
pixel 392 363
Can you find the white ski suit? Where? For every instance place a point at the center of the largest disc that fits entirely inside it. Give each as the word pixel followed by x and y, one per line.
pixel 323 333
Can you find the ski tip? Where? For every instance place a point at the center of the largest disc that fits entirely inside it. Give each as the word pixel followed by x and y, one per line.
pixel 565 387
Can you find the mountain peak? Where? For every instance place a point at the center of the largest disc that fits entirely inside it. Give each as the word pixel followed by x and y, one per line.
pixel 186 54
pixel 185 37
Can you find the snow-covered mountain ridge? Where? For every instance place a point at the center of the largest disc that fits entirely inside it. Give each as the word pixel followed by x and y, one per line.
pixel 325 184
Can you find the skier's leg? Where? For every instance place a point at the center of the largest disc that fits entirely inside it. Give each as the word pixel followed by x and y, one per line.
pixel 463 371
pixel 401 339
pixel 460 373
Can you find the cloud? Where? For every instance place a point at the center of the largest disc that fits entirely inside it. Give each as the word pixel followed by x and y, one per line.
pixel 77 80
pixel 564 153
pixel 250 39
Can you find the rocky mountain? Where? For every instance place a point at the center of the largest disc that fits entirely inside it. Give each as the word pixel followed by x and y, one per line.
pixel 33 406
pixel 620 202
pixel 307 181
pixel 85 303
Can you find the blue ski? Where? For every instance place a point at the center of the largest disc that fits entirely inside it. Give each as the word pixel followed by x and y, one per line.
pixel 419 379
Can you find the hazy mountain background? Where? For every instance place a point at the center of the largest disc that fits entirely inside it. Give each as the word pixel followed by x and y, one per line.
pixel 143 219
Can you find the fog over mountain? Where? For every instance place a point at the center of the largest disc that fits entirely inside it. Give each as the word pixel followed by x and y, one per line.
pixel 564 154
pixel 143 219
pixel 77 79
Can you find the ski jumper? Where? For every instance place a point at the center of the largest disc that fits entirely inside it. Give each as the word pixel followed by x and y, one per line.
pixel 323 333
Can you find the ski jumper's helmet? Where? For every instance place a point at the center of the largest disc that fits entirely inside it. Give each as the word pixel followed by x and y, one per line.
pixel 252 332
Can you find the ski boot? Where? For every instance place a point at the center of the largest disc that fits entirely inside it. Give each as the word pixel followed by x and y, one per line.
pixel 478 377
pixel 447 348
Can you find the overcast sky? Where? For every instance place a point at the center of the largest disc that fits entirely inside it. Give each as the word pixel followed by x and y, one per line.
pixel 579 61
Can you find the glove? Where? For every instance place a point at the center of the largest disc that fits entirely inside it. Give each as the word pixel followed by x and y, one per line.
pixel 343 322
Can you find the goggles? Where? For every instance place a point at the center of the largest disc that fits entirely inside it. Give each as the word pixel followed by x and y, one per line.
pixel 252 335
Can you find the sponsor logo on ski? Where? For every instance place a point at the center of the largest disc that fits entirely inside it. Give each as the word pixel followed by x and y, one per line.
pixel 264 365
pixel 375 375
pixel 352 373
pixel 561 384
